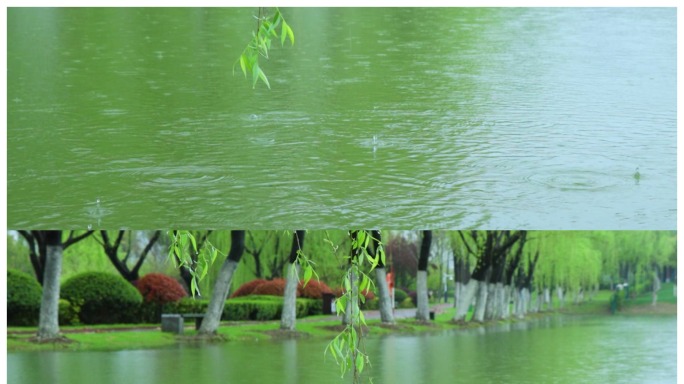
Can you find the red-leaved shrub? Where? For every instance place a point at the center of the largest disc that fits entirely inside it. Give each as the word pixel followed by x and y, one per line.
pixel 275 287
pixel 314 289
pixel 248 288
pixel 159 289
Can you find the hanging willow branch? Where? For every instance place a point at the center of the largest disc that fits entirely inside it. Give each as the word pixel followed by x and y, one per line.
pixel 267 29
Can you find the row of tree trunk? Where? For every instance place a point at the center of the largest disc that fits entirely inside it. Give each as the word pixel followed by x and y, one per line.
pixel 497 280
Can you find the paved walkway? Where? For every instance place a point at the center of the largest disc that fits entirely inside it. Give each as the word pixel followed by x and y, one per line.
pixel 399 313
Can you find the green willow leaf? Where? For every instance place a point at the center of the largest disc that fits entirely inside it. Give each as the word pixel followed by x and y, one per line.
pixel 255 74
pixel 194 243
pixel 214 253
pixel 359 363
pixel 308 272
pixel 290 33
pixel 263 78
pixel 243 64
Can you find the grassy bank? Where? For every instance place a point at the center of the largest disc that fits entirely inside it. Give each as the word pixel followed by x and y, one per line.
pixel 143 336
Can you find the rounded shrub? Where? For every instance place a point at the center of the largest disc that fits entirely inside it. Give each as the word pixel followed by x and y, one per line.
pixel 105 298
pixel 247 288
pixel 23 298
pixel 399 295
pixel 160 289
pixel 275 287
pixel 406 303
pixel 157 290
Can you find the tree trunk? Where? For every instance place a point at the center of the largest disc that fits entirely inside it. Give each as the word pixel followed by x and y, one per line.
pixel 490 307
pixel 48 322
pixel 525 298
pixel 385 301
pixel 656 288
pixel 478 314
pixel 465 299
pixel 352 302
pixel 561 297
pixel 547 299
pixel 212 318
pixel 458 288
pixel 423 309
pixel 500 301
pixel 288 318
pixel 508 297
pixel 540 301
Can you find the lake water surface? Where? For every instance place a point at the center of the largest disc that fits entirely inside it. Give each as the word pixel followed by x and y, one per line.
pixel 559 349
pixel 395 118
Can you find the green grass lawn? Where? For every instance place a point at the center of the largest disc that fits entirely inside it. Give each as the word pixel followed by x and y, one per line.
pixel 143 336
pixel 95 341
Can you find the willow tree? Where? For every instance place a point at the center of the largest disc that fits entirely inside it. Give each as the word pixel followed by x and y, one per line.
pixel 490 248
pixel 507 287
pixel 523 282
pixel 642 256
pixel 461 265
pixel 570 263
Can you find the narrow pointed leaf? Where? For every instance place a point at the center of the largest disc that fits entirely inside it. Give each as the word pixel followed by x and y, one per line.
pixel 308 271
pixel 359 363
pixel 263 78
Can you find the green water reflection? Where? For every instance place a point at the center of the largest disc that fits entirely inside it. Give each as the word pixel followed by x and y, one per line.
pixel 552 350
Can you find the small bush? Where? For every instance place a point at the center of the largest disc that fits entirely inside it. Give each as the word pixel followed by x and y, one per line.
pixel 371 304
pixel 106 298
pixel 275 287
pixel 68 313
pixel 414 297
pixel 23 298
pixel 247 288
pixel 399 295
pixel 406 303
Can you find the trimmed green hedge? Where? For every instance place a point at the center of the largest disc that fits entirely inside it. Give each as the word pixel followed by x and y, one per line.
pixel 23 298
pixel 253 307
pixel 103 298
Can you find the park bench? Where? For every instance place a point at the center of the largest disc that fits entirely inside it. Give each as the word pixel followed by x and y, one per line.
pixel 174 322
